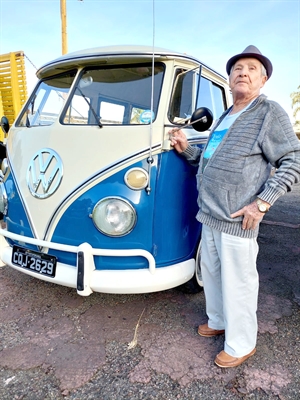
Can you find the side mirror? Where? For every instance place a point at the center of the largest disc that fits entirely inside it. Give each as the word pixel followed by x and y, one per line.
pixel 4 124
pixel 201 119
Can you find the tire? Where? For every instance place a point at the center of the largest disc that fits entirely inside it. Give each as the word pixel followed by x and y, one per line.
pixel 195 284
pixel 2 151
pixel 198 273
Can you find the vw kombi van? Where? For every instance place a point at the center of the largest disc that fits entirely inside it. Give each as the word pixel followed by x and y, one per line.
pixel 93 197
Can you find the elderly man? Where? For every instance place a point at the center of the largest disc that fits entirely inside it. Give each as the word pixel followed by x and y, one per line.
pixel 235 191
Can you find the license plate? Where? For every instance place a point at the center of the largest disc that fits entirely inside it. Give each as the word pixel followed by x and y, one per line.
pixel 34 261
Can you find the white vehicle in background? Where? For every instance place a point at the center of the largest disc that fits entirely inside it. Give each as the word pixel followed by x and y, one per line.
pixel 93 197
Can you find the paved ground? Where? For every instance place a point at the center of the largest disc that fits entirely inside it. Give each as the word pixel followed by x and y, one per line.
pixel 55 344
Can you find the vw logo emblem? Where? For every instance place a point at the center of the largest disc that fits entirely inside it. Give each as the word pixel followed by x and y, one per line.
pixel 44 173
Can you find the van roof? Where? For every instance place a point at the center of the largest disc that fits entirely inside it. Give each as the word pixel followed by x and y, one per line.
pixel 113 55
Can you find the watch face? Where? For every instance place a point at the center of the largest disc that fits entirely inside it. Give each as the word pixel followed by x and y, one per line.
pixel 261 206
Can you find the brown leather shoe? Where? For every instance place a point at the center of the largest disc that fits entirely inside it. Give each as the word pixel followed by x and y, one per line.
pixel 204 330
pixel 224 360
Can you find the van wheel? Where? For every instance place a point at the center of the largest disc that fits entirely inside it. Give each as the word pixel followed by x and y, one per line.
pixel 190 287
pixel 195 284
pixel 2 151
pixel 198 273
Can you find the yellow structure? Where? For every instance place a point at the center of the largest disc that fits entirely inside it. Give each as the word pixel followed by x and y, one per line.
pixel 13 86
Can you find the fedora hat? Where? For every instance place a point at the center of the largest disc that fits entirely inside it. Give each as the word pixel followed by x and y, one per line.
pixel 251 52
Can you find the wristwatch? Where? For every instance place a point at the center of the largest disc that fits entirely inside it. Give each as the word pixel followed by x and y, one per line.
pixel 263 208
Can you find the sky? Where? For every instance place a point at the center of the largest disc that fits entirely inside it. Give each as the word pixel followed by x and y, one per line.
pixel 211 30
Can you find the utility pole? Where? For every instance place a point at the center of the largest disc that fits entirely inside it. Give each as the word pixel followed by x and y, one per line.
pixel 63 14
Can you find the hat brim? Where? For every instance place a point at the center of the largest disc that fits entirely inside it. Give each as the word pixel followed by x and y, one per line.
pixel 264 60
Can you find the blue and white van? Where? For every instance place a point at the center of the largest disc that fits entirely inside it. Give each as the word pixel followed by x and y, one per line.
pixel 93 197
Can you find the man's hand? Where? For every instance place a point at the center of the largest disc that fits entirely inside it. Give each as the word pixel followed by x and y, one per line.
pixel 252 215
pixel 178 140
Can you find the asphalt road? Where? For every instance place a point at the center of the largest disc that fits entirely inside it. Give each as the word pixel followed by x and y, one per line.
pixel 55 344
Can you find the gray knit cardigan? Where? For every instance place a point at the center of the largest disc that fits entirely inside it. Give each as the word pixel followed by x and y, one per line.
pixel 239 170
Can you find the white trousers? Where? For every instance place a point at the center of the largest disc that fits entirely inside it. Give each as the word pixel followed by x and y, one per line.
pixel 230 280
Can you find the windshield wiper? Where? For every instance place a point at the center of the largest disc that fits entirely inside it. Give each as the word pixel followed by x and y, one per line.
pixel 91 108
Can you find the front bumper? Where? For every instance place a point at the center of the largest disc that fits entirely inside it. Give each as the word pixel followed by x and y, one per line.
pixel 86 279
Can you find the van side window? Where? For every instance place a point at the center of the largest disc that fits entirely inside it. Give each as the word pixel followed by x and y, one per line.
pixel 183 97
pixel 212 96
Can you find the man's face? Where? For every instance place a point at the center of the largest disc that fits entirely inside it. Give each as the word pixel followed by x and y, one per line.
pixel 246 78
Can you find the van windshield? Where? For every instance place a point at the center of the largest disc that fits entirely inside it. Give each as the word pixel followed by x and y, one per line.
pixel 47 101
pixel 115 95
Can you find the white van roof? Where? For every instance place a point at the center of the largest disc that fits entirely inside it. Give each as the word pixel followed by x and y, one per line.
pixel 112 55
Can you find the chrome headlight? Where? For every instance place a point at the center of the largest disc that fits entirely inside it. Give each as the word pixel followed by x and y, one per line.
pixel 114 216
pixel 3 199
